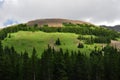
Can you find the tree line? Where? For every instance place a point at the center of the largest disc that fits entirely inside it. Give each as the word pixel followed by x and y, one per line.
pixel 83 29
pixel 58 65
pixel 96 39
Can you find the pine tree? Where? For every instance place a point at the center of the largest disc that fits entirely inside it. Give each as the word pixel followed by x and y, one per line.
pixel 34 57
pixel 58 42
pixel 9 36
pixel 35 25
pixel 26 68
pixel 1 49
pixel 80 68
pixel 59 72
pixel 80 45
pixel 47 64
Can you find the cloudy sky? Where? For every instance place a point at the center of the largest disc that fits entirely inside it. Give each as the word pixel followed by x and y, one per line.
pixel 94 11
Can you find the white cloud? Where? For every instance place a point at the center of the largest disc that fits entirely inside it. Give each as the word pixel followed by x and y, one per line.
pixel 96 11
pixel 108 23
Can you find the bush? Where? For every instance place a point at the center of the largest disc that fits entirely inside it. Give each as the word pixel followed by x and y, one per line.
pixel 58 42
pixel 80 45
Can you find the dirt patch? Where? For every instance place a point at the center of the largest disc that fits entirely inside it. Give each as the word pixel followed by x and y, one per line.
pixel 115 44
pixel 54 22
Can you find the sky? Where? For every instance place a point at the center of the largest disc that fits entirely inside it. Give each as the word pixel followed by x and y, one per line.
pixel 99 12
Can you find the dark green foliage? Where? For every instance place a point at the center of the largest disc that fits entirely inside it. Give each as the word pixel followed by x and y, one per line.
pixel 58 42
pixel 46 25
pixel 58 65
pixel 34 65
pixel 80 45
pixel 1 48
pixel 102 40
pixel 9 36
pixel 83 29
pixel 98 39
pixel 89 40
pixel 68 24
pixel 35 25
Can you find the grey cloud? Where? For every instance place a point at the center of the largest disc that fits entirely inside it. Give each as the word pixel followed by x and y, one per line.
pixel 1 3
pixel 97 10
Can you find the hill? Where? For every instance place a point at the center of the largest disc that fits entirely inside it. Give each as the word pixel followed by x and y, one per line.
pixel 116 27
pixel 72 36
pixel 26 40
pixel 72 52
pixel 54 22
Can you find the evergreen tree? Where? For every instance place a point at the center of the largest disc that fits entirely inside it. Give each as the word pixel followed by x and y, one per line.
pixel 9 36
pixel 26 68
pixel 34 57
pixel 35 25
pixel 1 49
pixel 58 42
pixel 47 64
pixel 59 72
pixel 80 45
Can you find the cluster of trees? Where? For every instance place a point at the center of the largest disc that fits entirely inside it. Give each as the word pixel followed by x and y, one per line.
pixel 104 35
pixel 102 39
pixel 83 29
pixel 97 39
pixel 15 66
pixel 101 65
pixel 21 27
pixel 58 65
pixel 69 24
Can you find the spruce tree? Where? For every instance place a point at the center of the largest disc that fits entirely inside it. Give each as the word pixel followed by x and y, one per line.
pixel 9 36
pixel 34 57
pixel 26 68
pixel 59 72
pixel 1 48
pixel 80 45
pixel 58 42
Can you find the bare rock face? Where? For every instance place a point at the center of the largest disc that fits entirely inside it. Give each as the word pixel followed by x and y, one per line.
pixel 54 22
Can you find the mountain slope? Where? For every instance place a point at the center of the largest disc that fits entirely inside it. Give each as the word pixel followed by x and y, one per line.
pixel 116 27
pixel 26 40
pixel 70 35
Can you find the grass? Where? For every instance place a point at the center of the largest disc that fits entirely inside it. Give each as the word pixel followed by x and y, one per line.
pixel 26 40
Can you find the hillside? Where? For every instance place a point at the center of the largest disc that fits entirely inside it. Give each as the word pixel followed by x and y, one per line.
pixel 24 37
pixel 116 27
pixel 54 22
pixel 26 40
pixel 52 52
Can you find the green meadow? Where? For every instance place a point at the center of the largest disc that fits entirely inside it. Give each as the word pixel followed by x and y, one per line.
pixel 26 40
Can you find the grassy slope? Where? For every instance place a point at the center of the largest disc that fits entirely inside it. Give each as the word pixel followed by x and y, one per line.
pixel 26 40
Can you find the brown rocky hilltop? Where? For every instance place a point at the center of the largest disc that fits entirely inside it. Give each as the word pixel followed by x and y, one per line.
pixel 54 22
